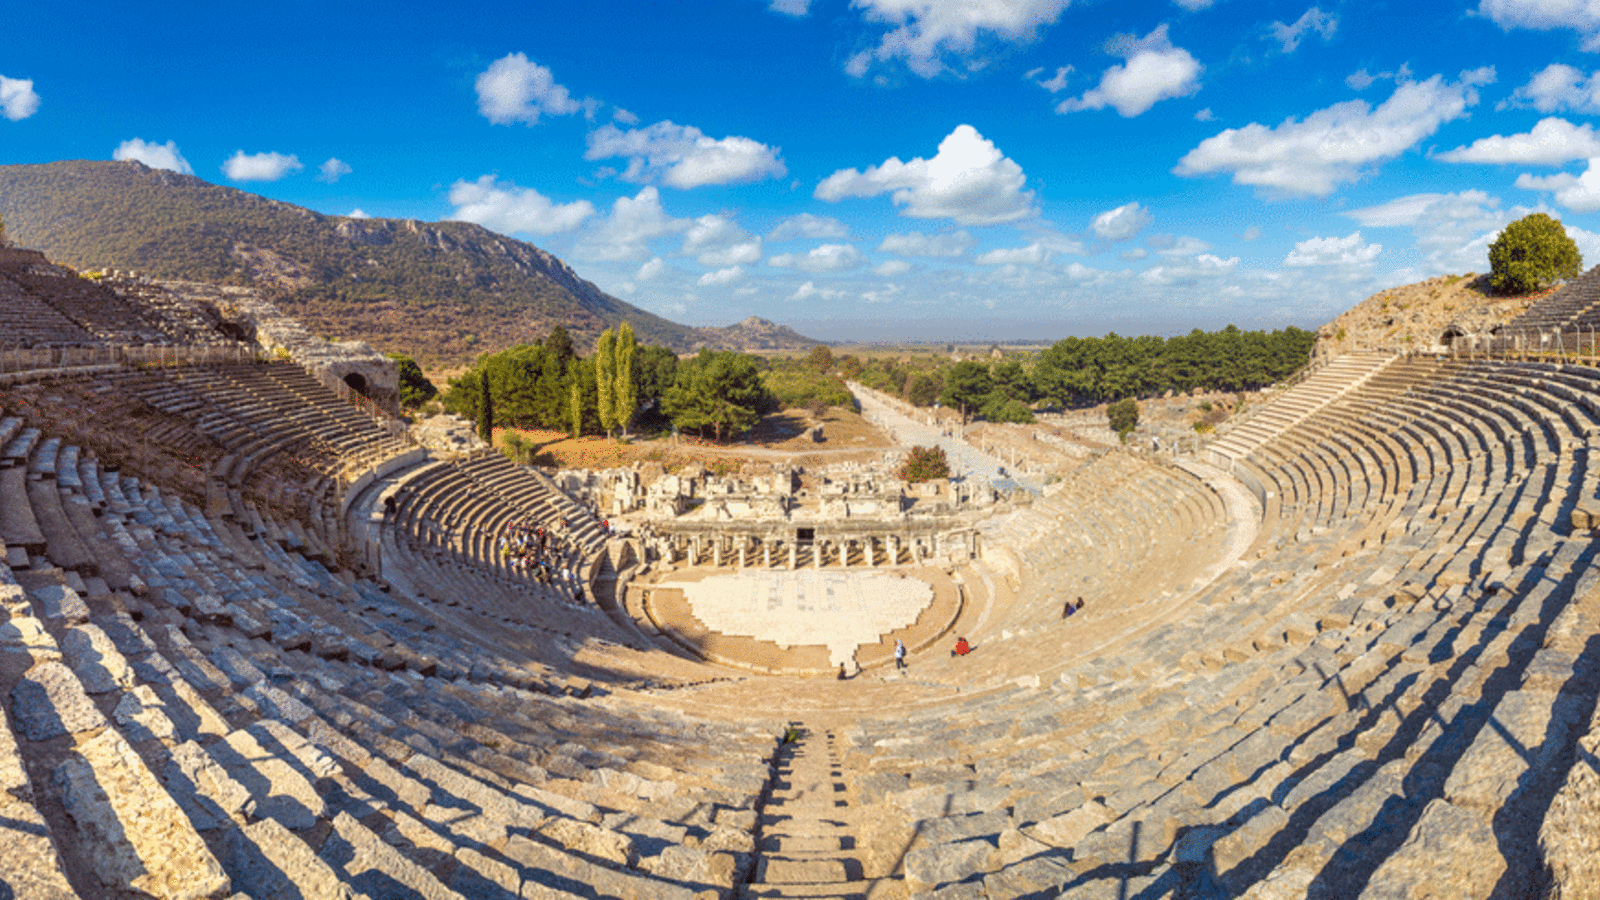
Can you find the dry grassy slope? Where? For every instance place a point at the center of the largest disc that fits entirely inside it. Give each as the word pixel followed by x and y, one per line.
pixel 1416 315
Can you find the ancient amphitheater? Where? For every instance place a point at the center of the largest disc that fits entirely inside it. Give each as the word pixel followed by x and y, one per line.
pixel 257 642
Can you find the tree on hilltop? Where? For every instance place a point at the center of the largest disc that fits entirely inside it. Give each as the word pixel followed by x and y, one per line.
pixel 1530 253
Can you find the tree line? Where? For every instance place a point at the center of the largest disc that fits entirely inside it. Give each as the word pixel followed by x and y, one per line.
pixel 1079 372
pixel 622 384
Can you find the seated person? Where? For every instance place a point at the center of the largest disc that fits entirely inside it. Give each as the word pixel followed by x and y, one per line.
pixel 962 647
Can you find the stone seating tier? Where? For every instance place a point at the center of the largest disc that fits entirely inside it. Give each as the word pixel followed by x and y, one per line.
pixel 1388 685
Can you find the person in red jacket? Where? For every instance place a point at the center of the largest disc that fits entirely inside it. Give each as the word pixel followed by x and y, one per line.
pixel 962 647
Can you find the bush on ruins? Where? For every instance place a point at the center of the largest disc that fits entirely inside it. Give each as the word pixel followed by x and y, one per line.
pixel 1531 253
pixel 1123 417
pixel 925 464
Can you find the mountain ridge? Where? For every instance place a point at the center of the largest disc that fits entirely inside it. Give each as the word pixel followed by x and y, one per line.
pixel 444 292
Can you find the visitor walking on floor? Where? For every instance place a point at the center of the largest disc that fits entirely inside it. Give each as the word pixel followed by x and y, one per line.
pixel 899 655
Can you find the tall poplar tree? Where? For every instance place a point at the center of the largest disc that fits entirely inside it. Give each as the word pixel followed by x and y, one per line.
pixel 605 377
pixel 626 397
pixel 575 407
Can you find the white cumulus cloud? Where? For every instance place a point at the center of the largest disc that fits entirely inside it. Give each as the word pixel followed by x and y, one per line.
pixel 18 100
pixel 1153 71
pixel 1349 250
pixel 825 258
pixel 655 266
pixel 513 89
pixel 796 8
pixel 721 276
pixel 242 166
pixel 626 233
pixel 1579 193
pixel 1558 87
pixel 1201 267
pixel 929 34
pixel 891 268
pixel 1177 246
pixel 968 180
pixel 718 241
pixel 1122 223
pixel 1582 16
pixel 508 209
pixel 1313 19
pixel 333 170
pixel 913 243
pixel 806 225
pixel 1311 157
pixel 683 157
pixel 357 213
pixel 1031 255
pixel 156 156
pixel 808 290
pixel 1552 142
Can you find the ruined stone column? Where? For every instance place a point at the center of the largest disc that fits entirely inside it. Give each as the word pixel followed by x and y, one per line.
pixel 894 550
pixel 793 552
pixel 766 554
pixel 817 548
pixel 741 553
pixel 872 559
pixel 716 551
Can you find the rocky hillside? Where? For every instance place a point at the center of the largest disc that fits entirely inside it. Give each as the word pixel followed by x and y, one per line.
pixel 443 291
pixel 1418 315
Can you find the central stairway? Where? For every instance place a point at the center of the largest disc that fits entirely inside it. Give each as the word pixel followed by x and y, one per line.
pixel 807 848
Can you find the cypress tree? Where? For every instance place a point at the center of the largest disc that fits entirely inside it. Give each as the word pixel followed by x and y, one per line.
pixel 485 408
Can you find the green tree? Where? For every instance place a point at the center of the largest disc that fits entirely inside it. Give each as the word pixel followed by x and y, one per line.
pixel 922 390
pixel 605 377
pixel 718 390
pixel 575 409
pixel 820 358
pixel 966 385
pixel 485 410
pixel 924 464
pixel 655 372
pixel 1123 417
pixel 415 388
pixel 1530 253
pixel 626 397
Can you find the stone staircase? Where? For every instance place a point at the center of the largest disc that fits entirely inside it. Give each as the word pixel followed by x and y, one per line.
pixel 1342 375
pixel 808 827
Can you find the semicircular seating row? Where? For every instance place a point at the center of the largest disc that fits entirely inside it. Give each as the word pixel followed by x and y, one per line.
pixel 196 706
pixel 1390 684
pixel 1389 690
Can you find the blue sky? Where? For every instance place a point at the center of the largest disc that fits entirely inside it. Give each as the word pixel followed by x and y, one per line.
pixel 871 169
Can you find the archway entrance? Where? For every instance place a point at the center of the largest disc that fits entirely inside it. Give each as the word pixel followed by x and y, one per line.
pixel 357 383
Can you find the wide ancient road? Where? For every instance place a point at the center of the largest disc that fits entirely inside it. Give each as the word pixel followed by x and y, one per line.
pixel 964 458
